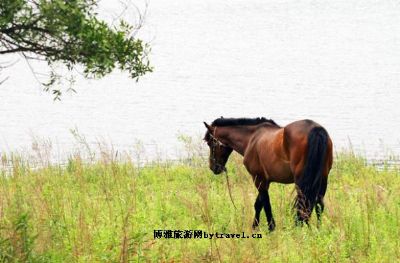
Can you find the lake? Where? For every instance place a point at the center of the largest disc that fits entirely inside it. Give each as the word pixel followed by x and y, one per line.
pixel 335 62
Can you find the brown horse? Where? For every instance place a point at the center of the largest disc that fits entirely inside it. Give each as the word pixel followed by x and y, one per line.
pixel 299 153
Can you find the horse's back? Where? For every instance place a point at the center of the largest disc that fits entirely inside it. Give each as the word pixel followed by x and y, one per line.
pixel 299 130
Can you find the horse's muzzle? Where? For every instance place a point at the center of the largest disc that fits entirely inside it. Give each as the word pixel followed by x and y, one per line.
pixel 218 169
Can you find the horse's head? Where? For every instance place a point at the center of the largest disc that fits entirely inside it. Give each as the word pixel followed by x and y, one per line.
pixel 219 152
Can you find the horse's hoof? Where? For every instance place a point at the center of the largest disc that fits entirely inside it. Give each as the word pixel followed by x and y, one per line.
pixel 271 226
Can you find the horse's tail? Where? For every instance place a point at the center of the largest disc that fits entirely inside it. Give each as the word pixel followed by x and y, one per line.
pixel 310 183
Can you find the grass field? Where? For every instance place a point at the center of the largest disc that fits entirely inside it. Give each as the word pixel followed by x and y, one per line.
pixel 108 211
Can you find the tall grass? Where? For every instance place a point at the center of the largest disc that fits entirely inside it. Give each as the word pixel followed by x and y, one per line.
pixel 107 211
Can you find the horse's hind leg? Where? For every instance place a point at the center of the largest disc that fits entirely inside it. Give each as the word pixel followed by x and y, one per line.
pixel 301 205
pixel 319 208
pixel 303 212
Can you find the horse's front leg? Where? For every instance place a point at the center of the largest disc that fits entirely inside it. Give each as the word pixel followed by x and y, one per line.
pixel 258 205
pixel 263 201
pixel 268 210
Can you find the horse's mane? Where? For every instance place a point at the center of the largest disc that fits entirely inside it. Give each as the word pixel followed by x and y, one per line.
pixel 221 122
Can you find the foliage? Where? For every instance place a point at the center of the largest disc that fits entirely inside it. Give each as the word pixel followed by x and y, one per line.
pixel 69 32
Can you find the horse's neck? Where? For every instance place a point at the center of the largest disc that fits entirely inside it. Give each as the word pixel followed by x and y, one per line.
pixel 237 137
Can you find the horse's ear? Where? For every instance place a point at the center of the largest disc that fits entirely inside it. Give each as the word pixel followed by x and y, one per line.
pixel 209 128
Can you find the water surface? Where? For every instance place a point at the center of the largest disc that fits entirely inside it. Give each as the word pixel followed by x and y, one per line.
pixel 335 62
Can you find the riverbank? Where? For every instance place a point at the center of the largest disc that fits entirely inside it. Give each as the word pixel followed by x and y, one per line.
pixel 108 211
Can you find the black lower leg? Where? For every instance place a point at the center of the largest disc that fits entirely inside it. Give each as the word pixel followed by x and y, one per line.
pixel 302 210
pixel 268 211
pixel 258 205
pixel 319 208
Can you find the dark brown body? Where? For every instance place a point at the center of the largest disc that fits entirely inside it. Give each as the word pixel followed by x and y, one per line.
pixel 277 154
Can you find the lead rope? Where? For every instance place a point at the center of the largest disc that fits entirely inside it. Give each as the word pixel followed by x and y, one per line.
pixel 229 188
pixel 226 174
